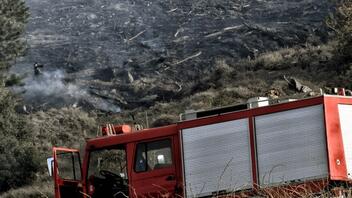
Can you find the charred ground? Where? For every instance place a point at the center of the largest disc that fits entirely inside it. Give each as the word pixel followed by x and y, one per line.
pixel 135 53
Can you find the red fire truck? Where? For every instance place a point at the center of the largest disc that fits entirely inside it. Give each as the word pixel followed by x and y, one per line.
pixel 235 149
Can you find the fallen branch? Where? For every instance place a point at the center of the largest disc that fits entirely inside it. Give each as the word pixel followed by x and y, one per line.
pixel 214 34
pixel 181 39
pixel 137 35
pixel 172 10
pixel 260 28
pixel 188 58
pixel 179 86
pixel 233 28
pixel 178 31
pixel 46 196
pixel 224 31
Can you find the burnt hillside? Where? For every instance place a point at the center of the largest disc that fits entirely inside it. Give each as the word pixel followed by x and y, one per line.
pixel 130 53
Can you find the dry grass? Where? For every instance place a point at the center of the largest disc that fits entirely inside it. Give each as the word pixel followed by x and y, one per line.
pixel 39 190
pixel 45 189
pixel 306 190
pixel 308 56
pixel 67 127
pixel 309 189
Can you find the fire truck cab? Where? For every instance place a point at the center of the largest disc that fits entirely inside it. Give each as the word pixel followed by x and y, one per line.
pixel 303 142
pixel 121 165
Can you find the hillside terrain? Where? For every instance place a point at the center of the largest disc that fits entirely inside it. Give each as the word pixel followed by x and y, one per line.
pixel 135 53
pixel 134 61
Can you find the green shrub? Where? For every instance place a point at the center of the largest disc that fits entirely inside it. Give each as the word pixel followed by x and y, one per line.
pixel 13 80
pixel 13 16
pixel 341 24
pixel 19 157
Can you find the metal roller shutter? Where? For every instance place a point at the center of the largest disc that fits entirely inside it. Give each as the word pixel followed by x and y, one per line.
pixel 291 145
pixel 216 157
pixel 345 113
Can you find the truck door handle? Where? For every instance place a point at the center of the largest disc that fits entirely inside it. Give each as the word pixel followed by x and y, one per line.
pixel 170 178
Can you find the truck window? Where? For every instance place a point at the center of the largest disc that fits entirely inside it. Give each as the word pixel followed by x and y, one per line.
pixel 69 166
pixel 107 173
pixel 112 160
pixel 153 155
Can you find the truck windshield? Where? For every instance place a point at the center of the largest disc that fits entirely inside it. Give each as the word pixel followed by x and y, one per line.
pixel 107 172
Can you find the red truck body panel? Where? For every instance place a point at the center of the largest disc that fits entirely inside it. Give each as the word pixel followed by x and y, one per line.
pixel 337 161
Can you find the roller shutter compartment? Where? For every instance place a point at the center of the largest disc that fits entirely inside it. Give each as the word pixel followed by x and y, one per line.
pixel 216 158
pixel 291 146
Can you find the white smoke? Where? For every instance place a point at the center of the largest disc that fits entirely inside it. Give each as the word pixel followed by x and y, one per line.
pixel 52 84
pixel 50 89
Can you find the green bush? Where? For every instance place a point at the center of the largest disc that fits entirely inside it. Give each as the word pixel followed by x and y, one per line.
pixel 19 157
pixel 13 80
pixel 341 24
pixel 13 16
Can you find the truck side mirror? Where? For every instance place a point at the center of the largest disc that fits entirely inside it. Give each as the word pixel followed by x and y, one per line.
pixel 50 162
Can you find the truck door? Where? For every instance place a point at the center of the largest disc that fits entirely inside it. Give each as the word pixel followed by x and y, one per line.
pixel 67 173
pixel 154 172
